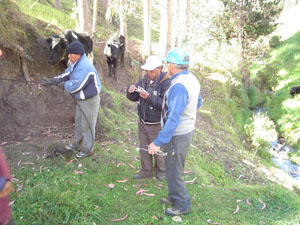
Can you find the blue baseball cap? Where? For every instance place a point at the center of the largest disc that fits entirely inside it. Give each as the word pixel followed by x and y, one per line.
pixel 177 56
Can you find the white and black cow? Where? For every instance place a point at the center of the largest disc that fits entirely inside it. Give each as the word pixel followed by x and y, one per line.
pixel 114 50
pixel 58 46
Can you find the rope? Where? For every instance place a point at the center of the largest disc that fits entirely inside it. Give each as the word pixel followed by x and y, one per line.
pixel 24 81
pixel 159 152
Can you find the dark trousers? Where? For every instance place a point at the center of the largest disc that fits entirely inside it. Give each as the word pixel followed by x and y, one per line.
pixel 147 134
pixel 177 150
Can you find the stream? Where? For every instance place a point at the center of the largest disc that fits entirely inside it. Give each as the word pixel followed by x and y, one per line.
pixel 280 153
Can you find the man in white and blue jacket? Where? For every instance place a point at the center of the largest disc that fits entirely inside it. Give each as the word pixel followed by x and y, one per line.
pixel 81 80
pixel 180 105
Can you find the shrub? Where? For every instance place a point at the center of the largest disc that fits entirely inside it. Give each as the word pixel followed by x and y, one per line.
pixel 267 76
pixel 262 149
pixel 252 96
pixel 274 41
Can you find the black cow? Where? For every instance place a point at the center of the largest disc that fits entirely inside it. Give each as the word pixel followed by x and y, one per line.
pixel 58 46
pixel 114 50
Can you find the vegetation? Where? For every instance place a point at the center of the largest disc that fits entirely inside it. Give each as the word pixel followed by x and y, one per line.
pixel 283 68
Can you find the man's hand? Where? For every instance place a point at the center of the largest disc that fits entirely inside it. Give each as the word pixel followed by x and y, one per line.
pixel 7 189
pixel 50 81
pixel 153 149
pixel 132 89
pixel 62 85
pixel 144 94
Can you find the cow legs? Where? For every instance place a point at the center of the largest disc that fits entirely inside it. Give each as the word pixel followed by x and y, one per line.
pixel 115 61
pixel 110 65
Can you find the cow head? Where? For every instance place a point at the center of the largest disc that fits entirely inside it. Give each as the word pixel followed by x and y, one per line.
pixel 58 47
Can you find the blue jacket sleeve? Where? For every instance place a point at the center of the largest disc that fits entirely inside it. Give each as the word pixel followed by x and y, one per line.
pixel 77 82
pixel 199 101
pixel 177 101
pixel 2 183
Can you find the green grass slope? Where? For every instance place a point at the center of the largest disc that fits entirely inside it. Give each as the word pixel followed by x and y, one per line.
pixel 282 108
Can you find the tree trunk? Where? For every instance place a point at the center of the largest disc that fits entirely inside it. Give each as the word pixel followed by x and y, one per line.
pixel 84 16
pixel 58 4
pixel 181 24
pixel 147 27
pixel 122 14
pixel 169 33
pixel 95 15
pixel 163 27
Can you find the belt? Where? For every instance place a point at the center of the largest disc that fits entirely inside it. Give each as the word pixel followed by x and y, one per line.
pixel 149 123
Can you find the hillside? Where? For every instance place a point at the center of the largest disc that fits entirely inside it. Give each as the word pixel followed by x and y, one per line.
pixel 222 170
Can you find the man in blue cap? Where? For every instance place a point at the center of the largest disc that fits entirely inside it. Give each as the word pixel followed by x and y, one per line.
pixel 81 80
pixel 180 105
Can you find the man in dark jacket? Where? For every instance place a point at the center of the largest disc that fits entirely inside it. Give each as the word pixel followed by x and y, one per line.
pixel 149 92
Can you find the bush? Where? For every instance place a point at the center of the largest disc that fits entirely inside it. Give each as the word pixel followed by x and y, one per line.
pixel 262 149
pixel 267 76
pixel 252 96
pixel 274 41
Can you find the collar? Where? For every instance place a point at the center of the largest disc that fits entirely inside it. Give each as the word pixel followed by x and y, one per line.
pixel 184 72
pixel 157 80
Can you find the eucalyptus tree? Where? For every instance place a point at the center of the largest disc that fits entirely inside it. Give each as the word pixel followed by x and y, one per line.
pixel 247 21
pixel 121 9
pixel 147 26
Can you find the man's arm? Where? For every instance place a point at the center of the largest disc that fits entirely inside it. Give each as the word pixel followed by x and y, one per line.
pixel 177 101
pixel 157 100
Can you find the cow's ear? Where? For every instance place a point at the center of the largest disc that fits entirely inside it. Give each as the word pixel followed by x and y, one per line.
pixel 109 45
pixel 49 40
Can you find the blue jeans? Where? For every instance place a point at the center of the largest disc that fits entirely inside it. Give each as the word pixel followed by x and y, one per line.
pixel 177 150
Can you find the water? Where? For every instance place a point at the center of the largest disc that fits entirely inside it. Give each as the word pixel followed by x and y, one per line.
pixel 280 153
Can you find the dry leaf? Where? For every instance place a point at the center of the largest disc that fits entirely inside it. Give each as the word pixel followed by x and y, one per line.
pixel 131 166
pixel 79 165
pixel 177 219
pixel 236 210
pixel 99 194
pixel 11 203
pixel 248 202
pixel 27 163
pixel 122 181
pixel 20 188
pixel 119 164
pixel 37 156
pixel 120 219
pixel 13 179
pixel 190 181
pixel 141 191
pixel 111 186
pixel 3 143
pixel 148 194
pixel 239 200
pixel 78 172
pixel 264 204
pixel 188 172
pixel 155 217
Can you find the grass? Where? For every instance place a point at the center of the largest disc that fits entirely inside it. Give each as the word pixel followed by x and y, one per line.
pixel 47 14
pixel 53 194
